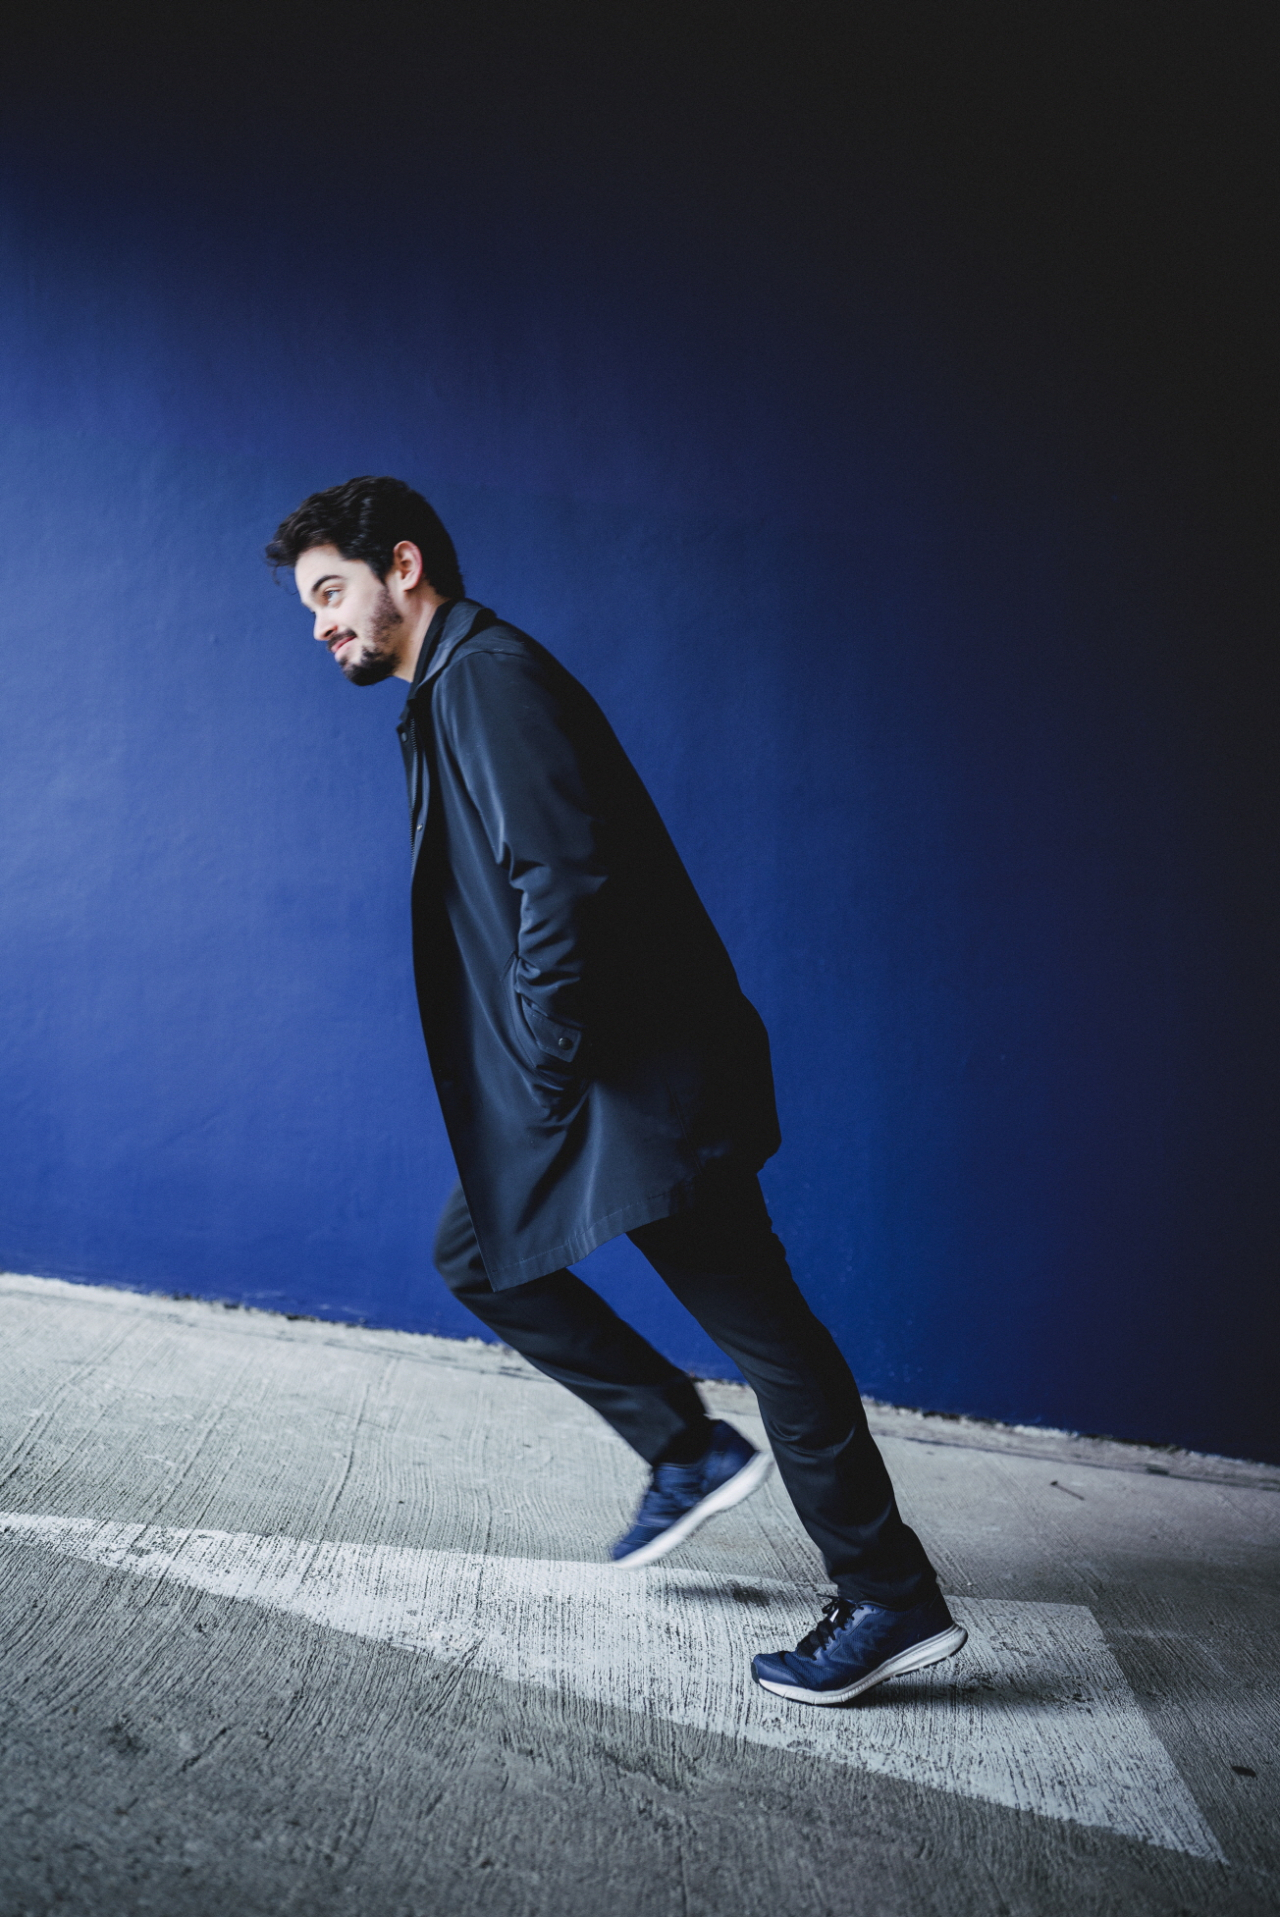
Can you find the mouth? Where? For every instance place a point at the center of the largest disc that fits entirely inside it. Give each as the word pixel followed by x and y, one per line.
pixel 336 645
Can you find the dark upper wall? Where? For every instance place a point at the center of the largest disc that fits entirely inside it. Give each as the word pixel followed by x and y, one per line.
pixel 870 418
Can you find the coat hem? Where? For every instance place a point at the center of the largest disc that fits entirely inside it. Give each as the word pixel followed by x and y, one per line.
pixel 642 1211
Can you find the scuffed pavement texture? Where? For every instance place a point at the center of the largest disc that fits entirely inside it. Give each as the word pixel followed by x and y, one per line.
pixel 302 1617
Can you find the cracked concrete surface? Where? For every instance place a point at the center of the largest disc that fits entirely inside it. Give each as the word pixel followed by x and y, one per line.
pixel 304 1617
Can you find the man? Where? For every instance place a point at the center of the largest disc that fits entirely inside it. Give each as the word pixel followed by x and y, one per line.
pixel 600 1071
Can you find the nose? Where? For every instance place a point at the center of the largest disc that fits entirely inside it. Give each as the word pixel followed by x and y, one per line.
pixel 325 627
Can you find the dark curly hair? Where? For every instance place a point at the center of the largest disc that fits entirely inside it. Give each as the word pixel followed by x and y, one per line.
pixel 366 519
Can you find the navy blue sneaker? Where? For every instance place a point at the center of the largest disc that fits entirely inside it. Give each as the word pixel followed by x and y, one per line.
pixel 855 1645
pixel 683 1496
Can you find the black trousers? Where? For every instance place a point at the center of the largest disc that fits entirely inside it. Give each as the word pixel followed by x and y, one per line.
pixel 727 1267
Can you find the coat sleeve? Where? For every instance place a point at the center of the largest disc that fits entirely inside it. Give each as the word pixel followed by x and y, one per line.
pixel 511 735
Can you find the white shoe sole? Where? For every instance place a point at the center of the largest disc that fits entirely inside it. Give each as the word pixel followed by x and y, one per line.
pixel 731 1492
pixel 931 1651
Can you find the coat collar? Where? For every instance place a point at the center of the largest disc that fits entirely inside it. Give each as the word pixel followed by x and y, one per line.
pixel 453 623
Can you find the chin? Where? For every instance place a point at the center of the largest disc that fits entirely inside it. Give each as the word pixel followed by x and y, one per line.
pixel 369 669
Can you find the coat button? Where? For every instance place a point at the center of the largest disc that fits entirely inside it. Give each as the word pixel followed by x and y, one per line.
pixel 564 1044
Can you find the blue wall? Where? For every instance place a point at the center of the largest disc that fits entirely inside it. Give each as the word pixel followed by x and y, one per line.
pixel 912 569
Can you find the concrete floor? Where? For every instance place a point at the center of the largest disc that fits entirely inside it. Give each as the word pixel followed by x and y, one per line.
pixel 304 1618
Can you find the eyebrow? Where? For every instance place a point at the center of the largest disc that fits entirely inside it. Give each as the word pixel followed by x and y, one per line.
pixel 323 580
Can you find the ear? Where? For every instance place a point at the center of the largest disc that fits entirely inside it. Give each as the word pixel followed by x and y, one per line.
pixel 406 564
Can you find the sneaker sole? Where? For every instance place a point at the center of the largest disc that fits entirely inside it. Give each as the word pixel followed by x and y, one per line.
pixel 931 1651
pixel 731 1492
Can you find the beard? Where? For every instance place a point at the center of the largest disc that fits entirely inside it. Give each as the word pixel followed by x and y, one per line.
pixel 376 660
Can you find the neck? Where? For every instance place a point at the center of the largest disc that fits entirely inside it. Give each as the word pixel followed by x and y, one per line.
pixel 418 631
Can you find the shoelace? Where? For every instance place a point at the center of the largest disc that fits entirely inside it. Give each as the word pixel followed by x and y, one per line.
pixel 833 1619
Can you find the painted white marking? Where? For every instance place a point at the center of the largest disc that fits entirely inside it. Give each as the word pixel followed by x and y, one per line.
pixel 1034 1714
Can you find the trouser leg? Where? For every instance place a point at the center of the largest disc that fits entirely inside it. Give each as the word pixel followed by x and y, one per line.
pixel 725 1264
pixel 568 1332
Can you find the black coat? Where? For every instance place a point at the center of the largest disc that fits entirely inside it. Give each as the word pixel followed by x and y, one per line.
pixel 590 1043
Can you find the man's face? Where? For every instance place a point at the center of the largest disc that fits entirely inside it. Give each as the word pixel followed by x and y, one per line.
pixel 356 616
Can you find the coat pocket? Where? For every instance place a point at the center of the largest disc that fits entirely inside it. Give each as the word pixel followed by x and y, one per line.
pixel 546 1049
pixel 553 1044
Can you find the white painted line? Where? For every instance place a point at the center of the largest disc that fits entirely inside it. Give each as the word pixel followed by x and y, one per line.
pixel 1034 1714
